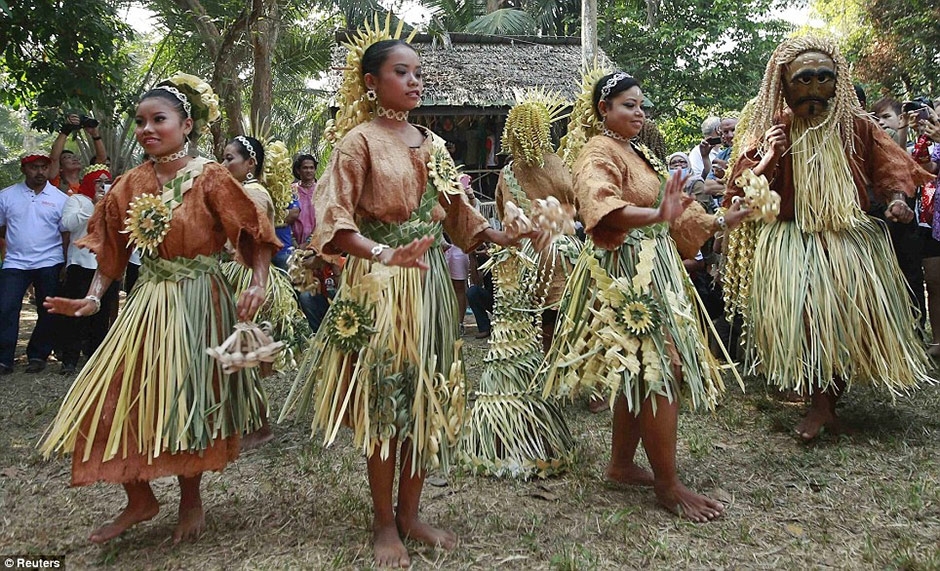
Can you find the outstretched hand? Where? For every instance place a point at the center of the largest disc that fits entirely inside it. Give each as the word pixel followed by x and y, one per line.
pixel 69 307
pixel 675 201
pixel 409 255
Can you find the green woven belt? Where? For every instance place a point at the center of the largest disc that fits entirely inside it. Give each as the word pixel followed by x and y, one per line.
pixel 418 225
pixel 177 269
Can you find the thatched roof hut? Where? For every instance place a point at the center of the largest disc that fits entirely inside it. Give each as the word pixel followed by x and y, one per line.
pixel 476 74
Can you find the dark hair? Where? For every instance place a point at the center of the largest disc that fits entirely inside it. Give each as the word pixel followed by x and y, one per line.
pixel 174 102
pixel 622 85
pixel 886 103
pixel 376 54
pixel 257 147
pixel 299 162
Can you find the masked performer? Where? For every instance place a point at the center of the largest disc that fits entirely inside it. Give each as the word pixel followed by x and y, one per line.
pixel 151 402
pixel 827 303
pixel 629 326
pixel 386 360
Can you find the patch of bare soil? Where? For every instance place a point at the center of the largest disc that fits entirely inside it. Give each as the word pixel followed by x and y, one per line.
pixel 870 500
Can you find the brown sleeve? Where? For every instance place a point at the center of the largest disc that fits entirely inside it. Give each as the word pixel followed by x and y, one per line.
pixel 462 222
pixel 598 183
pixel 887 166
pixel 338 192
pixel 244 225
pixel 105 237
pixel 692 229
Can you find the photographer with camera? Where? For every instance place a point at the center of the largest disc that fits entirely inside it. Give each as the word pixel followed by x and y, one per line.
pixel 65 170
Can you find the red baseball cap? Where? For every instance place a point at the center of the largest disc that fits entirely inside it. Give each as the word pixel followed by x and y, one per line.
pixel 33 158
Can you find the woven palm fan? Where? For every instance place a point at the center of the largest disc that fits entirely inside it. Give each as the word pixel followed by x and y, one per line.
pixel 512 430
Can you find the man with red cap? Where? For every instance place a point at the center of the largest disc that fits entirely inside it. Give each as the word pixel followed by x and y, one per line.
pixel 30 219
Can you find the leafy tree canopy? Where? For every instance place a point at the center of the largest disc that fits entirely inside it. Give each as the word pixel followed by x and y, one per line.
pixel 60 54
pixel 710 53
pixel 894 45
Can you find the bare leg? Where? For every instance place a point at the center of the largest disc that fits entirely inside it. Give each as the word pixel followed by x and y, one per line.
pixel 260 436
pixel 658 433
pixel 549 317
pixel 409 495
pixel 822 412
pixel 932 279
pixel 192 518
pixel 624 439
pixel 388 548
pixel 141 506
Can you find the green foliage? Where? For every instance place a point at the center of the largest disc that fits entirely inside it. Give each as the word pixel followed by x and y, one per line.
pixel 683 131
pixel 894 45
pixel 711 53
pixel 59 55
pixel 16 141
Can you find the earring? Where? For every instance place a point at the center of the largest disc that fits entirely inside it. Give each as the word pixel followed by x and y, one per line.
pixel 371 96
pixel 250 177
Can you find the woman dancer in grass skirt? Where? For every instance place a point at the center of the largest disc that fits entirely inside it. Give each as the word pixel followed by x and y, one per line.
pixel 150 402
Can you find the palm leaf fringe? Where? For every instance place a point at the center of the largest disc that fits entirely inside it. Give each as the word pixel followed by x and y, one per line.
pixel 280 309
pixel 513 431
pixel 831 304
pixel 173 397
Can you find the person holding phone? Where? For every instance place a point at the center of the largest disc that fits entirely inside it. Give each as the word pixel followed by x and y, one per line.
pixel 702 155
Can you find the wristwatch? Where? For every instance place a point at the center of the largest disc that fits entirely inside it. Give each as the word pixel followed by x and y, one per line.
pixel 377 250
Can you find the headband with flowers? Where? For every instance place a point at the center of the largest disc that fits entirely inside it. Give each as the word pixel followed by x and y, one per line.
pixel 197 97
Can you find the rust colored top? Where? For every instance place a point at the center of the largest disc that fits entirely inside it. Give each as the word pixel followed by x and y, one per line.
pixel 878 161
pixel 214 210
pixel 608 177
pixel 537 182
pixel 374 175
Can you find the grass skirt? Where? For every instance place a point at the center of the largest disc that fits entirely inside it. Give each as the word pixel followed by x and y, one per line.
pixel 512 429
pixel 386 362
pixel 150 390
pixel 628 319
pixel 831 304
pixel 280 309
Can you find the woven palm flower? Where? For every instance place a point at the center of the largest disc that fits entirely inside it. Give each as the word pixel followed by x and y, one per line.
pixel 639 314
pixel 764 204
pixel 147 222
pixel 206 107
pixel 277 178
pixel 443 173
pixel 648 154
pixel 349 325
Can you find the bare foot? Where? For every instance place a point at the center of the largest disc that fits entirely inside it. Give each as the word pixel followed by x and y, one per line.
pixel 814 421
pixel 388 548
pixel 632 475
pixel 420 531
pixel 684 502
pixel 257 438
pixel 191 524
pixel 598 404
pixel 133 514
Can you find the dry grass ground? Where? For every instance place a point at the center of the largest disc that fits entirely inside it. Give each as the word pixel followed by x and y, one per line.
pixel 867 501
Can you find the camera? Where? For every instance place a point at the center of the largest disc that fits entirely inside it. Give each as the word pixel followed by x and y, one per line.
pixel 713 141
pixel 87 122
pixel 919 105
pixel 84 122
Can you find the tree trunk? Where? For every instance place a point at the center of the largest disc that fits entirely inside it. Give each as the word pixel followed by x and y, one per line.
pixel 588 34
pixel 263 39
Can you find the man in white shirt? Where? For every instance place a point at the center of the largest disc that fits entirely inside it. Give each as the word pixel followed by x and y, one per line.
pixel 701 156
pixel 30 216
